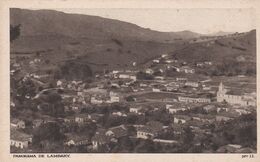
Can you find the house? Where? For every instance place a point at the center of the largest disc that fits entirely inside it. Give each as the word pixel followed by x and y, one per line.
pixel 95 100
pixel 150 130
pixel 59 83
pixel 176 107
pixel 17 124
pixel 100 139
pixel 69 119
pixel 163 141
pixel 164 55
pixel 128 75
pixel 241 111
pixel 37 122
pixel 81 118
pixel 192 84
pixel 194 99
pixel 230 148
pixel 75 139
pixel 209 108
pixel 20 140
pixel 124 76
pixel 203 118
pixel 156 90
pixel 177 129
pixel 114 97
pixel 118 113
pixel 234 97
pixel 169 61
pixel 136 110
pixel 156 61
pixel 149 71
pixel 181 119
pixel 200 64
pixel 173 110
pixel 181 79
pixel 117 132
pixel 185 69
pixel 95 117
pixel 159 77
pixel 208 63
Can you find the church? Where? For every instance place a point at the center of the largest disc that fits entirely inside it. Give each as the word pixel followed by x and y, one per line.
pixel 226 95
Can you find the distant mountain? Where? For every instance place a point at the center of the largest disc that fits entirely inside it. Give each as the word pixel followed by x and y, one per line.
pixel 220 33
pixel 220 48
pixel 186 34
pixel 108 44
pixel 50 22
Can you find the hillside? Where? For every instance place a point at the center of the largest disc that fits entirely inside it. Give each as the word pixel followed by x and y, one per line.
pixel 109 44
pixel 235 46
pixel 48 22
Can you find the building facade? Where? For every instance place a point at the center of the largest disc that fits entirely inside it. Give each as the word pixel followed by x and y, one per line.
pixel 224 96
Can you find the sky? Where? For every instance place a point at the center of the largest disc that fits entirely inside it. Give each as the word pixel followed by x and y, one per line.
pixel 202 21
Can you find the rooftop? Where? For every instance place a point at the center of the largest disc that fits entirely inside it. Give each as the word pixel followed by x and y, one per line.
pixel 20 136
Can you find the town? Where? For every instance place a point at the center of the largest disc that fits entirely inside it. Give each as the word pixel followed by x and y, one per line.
pixel 166 105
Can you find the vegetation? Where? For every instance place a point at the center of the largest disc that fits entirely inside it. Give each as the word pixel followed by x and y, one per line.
pixel 15 32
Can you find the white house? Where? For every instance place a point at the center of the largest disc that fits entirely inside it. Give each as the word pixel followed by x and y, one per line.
pixel 17 123
pixel 225 95
pixel 76 140
pixel 149 71
pixel 192 84
pixel 136 110
pixel 156 90
pixel 20 140
pixel 156 61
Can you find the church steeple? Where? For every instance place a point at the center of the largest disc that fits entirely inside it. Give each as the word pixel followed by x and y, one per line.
pixel 221 88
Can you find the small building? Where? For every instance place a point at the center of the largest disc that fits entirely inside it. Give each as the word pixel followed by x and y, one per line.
pixel 118 113
pixel 76 140
pixel 209 108
pixel 94 117
pixel 150 130
pixel 17 124
pixel 164 55
pixel 181 119
pixel 192 84
pixel 81 118
pixel 173 110
pixel 136 110
pixel 100 139
pixel 156 90
pixel 114 99
pixel 156 61
pixel 181 79
pixel 69 119
pixel 95 100
pixel 149 71
pixel 194 99
pixel 230 148
pixel 37 122
pixel 117 132
pixel 185 69
pixel 20 140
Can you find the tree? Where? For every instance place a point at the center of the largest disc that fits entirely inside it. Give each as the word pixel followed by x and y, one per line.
pixel 49 131
pixel 188 136
pixel 14 32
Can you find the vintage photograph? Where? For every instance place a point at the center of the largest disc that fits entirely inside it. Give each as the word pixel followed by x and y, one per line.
pixel 111 80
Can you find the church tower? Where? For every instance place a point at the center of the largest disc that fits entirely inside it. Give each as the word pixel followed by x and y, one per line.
pixel 221 92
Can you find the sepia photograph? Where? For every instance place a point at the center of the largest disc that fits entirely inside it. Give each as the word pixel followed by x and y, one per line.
pixel 86 80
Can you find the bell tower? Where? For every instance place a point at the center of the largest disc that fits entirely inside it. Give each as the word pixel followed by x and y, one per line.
pixel 221 92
